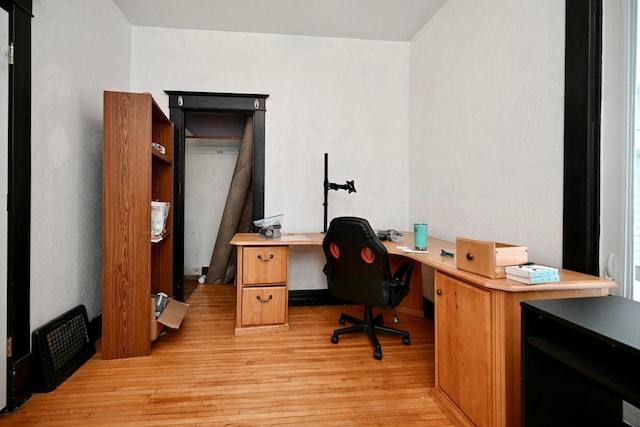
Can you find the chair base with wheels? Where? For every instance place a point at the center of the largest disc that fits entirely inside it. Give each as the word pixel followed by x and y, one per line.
pixel 370 325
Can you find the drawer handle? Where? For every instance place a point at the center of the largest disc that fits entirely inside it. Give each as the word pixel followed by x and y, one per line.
pixel 469 256
pixel 439 292
pixel 265 260
pixel 264 300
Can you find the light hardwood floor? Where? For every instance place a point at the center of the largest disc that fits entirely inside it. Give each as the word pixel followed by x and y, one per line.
pixel 202 375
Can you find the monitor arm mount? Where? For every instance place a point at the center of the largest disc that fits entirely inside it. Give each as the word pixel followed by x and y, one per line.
pixel 349 186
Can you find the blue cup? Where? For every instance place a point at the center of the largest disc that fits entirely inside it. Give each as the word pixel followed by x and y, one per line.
pixel 420 232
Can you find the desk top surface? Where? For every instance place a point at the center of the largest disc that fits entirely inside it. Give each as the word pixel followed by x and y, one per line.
pixel 287 239
pixel 568 279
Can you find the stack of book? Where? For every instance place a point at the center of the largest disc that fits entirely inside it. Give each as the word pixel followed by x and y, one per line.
pixel 532 274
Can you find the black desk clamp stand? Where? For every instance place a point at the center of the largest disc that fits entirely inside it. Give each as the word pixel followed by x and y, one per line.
pixel 349 186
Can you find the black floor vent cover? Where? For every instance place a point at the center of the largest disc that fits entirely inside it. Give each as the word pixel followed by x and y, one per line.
pixel 60 347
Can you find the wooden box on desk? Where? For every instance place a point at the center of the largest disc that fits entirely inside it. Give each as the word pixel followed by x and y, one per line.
pixel 488 258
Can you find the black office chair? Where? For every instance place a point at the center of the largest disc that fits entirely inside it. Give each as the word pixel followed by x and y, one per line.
pixel 358 270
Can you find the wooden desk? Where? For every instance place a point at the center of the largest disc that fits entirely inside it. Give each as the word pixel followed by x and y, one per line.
pixel 477 321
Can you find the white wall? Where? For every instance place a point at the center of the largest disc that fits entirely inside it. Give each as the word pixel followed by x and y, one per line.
pixel 80 48
pixel 486 128
pixel 348 98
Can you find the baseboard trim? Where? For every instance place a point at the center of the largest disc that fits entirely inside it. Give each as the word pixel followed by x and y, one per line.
pixel 95 328
pixel 310 297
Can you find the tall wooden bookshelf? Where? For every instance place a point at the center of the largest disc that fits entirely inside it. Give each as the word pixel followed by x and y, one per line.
pixel 134 174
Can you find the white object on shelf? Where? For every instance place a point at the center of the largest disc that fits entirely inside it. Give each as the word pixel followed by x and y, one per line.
pixel 159 215
pixel 159 147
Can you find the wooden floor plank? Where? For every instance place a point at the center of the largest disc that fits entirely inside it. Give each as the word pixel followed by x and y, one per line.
pixel 202 375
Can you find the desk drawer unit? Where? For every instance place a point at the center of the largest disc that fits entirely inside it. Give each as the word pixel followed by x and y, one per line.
pixel 262 294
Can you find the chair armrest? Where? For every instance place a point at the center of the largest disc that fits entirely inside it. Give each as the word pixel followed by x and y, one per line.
pixel 399 284
pixel 402 275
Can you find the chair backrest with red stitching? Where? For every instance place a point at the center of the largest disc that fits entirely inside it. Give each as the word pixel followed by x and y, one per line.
pixel 357 262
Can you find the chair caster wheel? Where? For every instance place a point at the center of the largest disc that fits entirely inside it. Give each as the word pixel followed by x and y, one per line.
pixel 334 339
pixel 342 321
pixel 377 355
pixel 406 340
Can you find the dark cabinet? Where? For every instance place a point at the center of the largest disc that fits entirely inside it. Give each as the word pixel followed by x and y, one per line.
pixel 580 361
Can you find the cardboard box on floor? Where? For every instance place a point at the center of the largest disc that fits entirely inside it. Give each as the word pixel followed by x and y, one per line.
pixel 171 316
